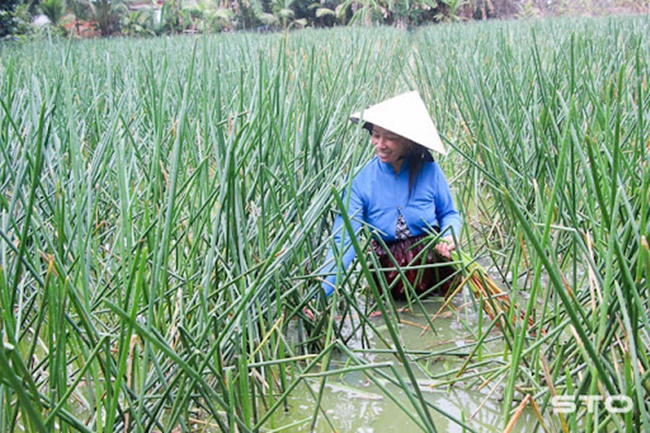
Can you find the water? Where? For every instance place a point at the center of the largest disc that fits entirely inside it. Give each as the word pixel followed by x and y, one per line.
pixel 369 412
pixel 353 403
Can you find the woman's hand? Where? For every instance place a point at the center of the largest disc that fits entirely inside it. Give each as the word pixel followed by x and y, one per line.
pixel 310 314
pixel 446 246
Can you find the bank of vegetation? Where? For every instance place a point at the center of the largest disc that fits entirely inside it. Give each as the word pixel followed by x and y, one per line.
pixel 33 19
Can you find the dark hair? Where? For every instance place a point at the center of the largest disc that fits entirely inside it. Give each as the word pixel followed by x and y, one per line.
pixel 417 155
pixel 368 127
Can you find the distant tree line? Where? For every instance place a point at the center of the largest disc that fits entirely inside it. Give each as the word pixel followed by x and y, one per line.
pixel 155 17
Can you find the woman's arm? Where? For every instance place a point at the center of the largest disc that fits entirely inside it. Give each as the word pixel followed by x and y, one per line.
pixel 341 240
pixel 448 217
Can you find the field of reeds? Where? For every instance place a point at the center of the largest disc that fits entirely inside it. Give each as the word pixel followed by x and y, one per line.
pixel 166 205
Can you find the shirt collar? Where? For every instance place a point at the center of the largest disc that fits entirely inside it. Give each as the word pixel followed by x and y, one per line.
pixel 389 168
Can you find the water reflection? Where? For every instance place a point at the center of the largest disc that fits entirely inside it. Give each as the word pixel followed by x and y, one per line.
pixel 350 412
pixel 355 404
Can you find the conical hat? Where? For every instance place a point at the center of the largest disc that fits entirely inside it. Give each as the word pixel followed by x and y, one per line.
pixel 405 115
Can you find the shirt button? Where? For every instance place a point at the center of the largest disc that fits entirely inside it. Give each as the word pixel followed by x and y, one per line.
pixel 399 207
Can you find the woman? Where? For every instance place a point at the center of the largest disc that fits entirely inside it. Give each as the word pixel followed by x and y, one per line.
pixel 401 194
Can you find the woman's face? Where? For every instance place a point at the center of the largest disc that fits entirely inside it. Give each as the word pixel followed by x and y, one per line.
pixel 389 147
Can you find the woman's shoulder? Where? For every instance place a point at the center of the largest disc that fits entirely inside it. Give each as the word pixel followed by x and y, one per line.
pixel 371 168
pixel 431 163
pixel 367 177
pixel 432 174
pixel 431 167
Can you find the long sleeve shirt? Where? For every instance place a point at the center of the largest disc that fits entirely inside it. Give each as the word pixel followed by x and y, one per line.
pixel 378 196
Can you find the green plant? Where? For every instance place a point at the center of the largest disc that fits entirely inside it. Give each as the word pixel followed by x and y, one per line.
pixel 107 14
pixel 7 18
pixel 285 15
pixel 138 23
pixel 323 14
pixel 452 10
pixel 528 10
pixel 210 17
pixel 54 10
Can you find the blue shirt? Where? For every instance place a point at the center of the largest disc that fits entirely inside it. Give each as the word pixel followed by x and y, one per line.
pixel 376 198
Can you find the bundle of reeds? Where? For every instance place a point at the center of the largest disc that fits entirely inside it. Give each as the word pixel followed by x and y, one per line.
pixel 494 301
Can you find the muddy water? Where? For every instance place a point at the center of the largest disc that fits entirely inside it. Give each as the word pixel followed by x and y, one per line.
pixel 354 404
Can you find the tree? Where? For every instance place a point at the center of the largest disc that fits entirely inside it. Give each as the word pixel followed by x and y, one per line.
pixel 370 12
pixel 175 19
pixel 81 10
pixel 138 23
pixel 7 17
pixel 208 16
pixel 366 12
pixel 283 12
pixel 108 15
pixel 452 12
pixel 325 13
pixel 54 10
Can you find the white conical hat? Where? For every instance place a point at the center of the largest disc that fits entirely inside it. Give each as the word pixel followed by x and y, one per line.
pixel 405 115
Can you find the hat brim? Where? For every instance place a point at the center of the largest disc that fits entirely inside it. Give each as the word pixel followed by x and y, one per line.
pixel 404 115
